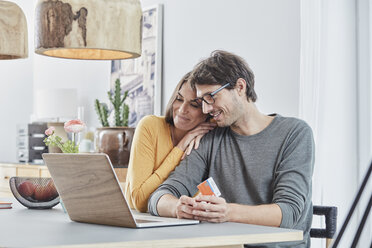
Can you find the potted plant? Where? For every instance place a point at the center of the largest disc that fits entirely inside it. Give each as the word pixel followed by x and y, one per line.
pixel 114 140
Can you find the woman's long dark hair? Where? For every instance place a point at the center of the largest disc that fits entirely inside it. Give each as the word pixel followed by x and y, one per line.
pixel 169 108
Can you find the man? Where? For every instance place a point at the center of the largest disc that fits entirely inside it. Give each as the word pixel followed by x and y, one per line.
pixel 262 164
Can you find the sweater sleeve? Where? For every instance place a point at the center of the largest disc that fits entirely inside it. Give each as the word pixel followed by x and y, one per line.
pixel 293 176
pixel 143 179
pixel 185 178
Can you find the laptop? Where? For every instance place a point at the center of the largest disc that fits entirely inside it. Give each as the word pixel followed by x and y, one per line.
pixel 91 192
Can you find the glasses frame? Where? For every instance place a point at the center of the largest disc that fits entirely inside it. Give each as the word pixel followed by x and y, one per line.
pixel 212 94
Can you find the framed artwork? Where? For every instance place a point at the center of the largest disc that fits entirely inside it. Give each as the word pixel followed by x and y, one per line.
pixel 141 77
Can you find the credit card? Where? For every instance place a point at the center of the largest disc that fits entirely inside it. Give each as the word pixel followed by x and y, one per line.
pixel 209 187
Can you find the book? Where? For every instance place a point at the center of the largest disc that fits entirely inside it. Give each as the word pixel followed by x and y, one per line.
pixel 5 205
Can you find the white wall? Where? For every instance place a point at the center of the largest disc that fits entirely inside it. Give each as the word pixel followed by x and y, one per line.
pixel 16 84
pixel 263 32
pixel 266 33
pixel 91 78
pixel 337 146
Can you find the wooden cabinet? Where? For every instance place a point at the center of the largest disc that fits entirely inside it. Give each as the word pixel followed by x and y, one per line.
pixel 44 172
pixel 21 170
pixel 26 170
pixel 6 172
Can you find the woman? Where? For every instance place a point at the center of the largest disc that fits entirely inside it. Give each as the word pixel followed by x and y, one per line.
pixel 160 143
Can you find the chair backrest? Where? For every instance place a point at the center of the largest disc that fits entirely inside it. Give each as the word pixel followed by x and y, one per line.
pixel 329 231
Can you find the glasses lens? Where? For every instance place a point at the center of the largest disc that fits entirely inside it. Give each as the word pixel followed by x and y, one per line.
pixel 209 99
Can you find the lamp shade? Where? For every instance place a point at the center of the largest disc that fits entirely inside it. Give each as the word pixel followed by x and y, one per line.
pixel 88 29
pixel 13 31
pixel 55 103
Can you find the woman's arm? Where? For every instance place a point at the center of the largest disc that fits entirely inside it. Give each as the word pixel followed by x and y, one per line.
pixel 192 139
pixel 143 180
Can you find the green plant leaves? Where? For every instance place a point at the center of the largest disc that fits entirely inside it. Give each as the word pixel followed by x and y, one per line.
pixel 66 147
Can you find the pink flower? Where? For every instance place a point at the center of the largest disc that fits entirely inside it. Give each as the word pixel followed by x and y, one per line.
pixel 74 126
pixel 50 131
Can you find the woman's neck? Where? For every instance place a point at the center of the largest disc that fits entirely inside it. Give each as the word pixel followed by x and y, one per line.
pixel 176 134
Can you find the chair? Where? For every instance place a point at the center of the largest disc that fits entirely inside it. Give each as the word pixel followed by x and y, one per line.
pixel 330 214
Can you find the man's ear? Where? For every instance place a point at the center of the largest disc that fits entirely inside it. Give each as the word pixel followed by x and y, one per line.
pixel 241 86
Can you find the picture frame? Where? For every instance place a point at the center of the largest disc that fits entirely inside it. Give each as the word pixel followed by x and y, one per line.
pixel 142 76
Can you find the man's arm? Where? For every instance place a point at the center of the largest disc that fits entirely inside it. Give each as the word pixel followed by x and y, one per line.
pixel 170 206
pixel 215 209
pixel 182 181
pixel 293 176
pixel 167 206
pixel 268 214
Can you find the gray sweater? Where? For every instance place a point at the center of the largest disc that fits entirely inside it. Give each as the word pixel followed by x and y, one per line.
pixel 273 166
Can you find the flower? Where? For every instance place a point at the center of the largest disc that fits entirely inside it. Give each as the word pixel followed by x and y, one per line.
pixel 74 126
pixel 50 131
pixel 70 146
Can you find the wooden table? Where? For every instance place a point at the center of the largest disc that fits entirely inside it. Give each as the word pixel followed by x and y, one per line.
pixel 22 227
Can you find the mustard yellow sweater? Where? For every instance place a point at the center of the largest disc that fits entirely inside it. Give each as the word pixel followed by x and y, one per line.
pixel 153 157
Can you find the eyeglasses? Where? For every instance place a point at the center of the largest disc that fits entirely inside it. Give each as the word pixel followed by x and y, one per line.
pixel 209 98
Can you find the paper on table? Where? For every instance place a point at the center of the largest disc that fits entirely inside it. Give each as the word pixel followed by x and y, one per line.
pixel 5 205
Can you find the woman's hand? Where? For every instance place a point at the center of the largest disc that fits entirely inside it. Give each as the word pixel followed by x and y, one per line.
pixel 192 139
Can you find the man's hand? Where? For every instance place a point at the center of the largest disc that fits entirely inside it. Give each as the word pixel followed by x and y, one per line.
pixel 215 209
pixel 184 207
pixel 203 208
pixel 210 208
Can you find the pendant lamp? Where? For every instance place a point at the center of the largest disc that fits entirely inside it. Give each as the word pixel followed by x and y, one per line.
pixel 13 31
pixel 88 29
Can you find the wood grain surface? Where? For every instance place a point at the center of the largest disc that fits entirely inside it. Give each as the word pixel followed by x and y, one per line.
pixel 13 31
pixel 89 188
pixel 94 29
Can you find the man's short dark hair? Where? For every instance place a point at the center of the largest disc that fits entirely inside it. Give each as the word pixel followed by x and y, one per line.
pixel 223 67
